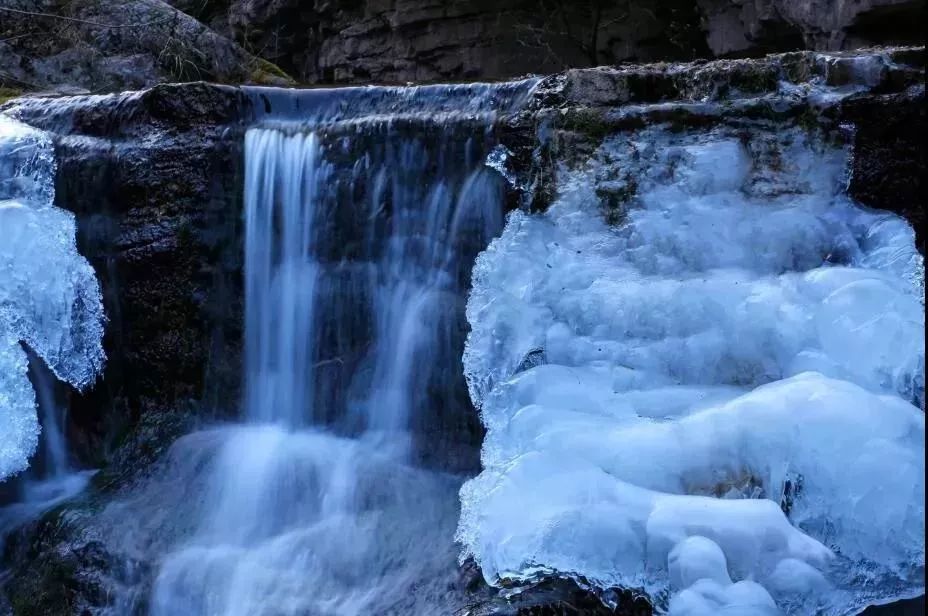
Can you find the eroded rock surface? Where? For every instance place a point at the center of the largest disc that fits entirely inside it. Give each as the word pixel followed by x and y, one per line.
pixel 155 181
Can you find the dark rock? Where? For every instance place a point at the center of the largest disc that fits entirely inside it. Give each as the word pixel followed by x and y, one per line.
pixel 431 40
pixel 106 46
pixel 102 45
pixel 755 27
pixel 557 596
pixel 155 182
pixel 888 165
pixel 909 607
pixel 425 40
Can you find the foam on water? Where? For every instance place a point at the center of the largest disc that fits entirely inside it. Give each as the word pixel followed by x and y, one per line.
pixel 715 400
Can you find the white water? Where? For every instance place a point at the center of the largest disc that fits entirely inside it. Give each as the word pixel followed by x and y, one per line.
pixel 746 341
pixel 314 505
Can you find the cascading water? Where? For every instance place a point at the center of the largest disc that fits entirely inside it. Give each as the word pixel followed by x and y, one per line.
pixel 359 237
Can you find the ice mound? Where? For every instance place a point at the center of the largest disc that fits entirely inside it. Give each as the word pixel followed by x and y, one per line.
pixel 715 400
pixel 49 296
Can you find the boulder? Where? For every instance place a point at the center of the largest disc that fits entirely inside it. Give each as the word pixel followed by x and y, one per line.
pixel 99 45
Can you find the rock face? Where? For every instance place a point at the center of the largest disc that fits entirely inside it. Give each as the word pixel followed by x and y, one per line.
pixel 429 40
pixel 886 172
pixel 738 27
pixel 103 45
pixel 425 40
pixel 155 179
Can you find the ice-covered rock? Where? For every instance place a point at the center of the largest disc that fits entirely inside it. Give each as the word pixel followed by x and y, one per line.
pixel 726 411
pixel 49 296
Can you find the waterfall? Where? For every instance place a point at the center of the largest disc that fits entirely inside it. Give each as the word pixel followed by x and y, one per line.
pixel 359 236
pixel 694 365
pixel 56 459
pixel 284 181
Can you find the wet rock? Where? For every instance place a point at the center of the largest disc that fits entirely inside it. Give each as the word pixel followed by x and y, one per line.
pixel 909 607
pixel 59 575
pixel 887 169
pixel 555 596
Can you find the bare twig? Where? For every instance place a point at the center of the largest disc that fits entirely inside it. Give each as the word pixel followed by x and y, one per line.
pixel 85 21
pixel 18 36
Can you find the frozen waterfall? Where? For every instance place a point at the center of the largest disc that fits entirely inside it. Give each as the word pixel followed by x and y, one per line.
pixel 715 400
pixel 49 296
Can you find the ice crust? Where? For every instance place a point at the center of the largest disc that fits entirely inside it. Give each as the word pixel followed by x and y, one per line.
pixel 715 400
pixel 49 296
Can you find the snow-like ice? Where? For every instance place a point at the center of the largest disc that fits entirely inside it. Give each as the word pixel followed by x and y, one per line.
pixel 49 296
pixel 715 400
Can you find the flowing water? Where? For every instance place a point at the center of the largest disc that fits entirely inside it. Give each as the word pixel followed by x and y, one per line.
pixel 51 479
pixel 360 233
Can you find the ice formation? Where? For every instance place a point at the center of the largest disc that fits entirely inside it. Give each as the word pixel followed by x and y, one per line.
pixel 715 400
pixel 49 296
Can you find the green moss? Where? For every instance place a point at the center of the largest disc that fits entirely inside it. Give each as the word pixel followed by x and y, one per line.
pixel 265 72
pixel 590 122
pixel 797 66
pixel 48 593
pixel 185 235
pixel 9 94
pixel 755 81
pixel 808 120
